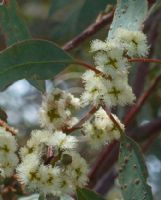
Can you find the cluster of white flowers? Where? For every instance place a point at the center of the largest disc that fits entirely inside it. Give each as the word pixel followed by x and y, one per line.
pixel 8 157
pixel 111 58
pixel 57 110
pixel 101 130
pixel 57 178
pixel 49 161
pixel 44 138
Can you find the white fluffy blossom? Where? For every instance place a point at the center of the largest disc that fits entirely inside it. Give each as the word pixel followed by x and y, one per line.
pixel 77 171
pixel 8 143
pixel 94 88
pixel 38 139
pixel 119 93
pixel 98 45
pixel 8 163
pixel 134 42
pixel 49 179
pixel 110 64
pixel 115 92
pixel 44 138
pixel 62 141
pixel 8 148
pixel 57 108
pixel 66 185
pixel 101 129
pixel 37 176
pixel 58 179
pixel 27 171
pixel 111 59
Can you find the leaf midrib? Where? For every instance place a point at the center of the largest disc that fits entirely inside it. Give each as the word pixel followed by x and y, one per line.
pixel 11 67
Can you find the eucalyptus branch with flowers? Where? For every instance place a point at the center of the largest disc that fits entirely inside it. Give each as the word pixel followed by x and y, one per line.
pixel 50 162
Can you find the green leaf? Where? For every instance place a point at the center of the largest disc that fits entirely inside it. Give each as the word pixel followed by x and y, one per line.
pixel 129 14
pixel 31 59
pixel 38 84
pixel 78 15
pixel 85 194
pixel 15 30
pixel 12 25
pixel 132 171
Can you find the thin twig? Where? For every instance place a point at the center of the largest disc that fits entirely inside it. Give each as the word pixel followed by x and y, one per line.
pixel 136 108
pixel 7 127
pixel 92 68
pixel 150 141
pixel 151 2
pixel 145 131
pixel 91 30
pixel 83 120
pixel 86 117
pixel 109 154
pixel 112 118
pixel 147 60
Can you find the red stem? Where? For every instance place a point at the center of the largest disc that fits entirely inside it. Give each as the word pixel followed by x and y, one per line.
pixel 106 76
pixel 150 141
pixel 112 118
pixel 108 154
pixel 82 121
pixel 91 30
pixel 148 60
pixel 88 66
pixel 5 2
pixel 75 127
pixel 7 127
pixel 136 108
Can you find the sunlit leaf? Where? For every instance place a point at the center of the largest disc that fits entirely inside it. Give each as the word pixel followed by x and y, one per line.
pixel 129 14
